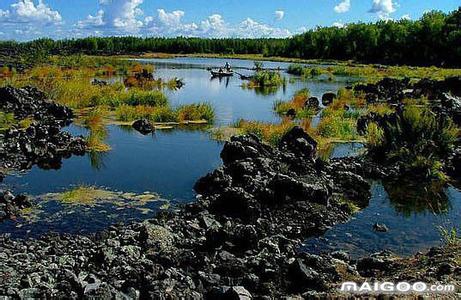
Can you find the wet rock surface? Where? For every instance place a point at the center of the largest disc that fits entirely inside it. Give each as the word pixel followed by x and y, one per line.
pixel 10 205
pixel 143 126
pixel 43 142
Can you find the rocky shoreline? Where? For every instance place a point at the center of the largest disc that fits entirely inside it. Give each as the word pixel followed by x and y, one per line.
pixel 239 240
pixel 42 143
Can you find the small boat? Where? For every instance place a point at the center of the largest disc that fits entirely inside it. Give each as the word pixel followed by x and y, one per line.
pixel 222 73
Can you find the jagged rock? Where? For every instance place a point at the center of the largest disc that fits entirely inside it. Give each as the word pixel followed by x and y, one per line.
pixel 328 98
pixel 42 143
pixel 312 103
pixel 291 113
pixel 380 227
pixel 10 205
pixel 156 236
pixel 298 142
pixel 29 101
pixel 237 293
pixel 143 126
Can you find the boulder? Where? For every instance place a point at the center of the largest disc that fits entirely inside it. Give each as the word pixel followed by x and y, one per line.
pixel 312 103
pixel 241 147
pixel 143 126
pixel 328 98
pixel 298 142
pixel 291 113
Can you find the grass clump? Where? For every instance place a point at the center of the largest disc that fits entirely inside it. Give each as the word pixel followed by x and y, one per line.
pixel 338 123
pixel 149 98
pixel 268 132
pixel 199 111
pixel 94 121
pixel 160 114
pixel 267 79
pixel 7 120
pixel 416 138
pixel 450 236
pixel 297 103
pixel 84 195
pixel 305 72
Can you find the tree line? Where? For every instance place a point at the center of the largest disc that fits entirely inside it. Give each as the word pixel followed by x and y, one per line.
pixel 434 39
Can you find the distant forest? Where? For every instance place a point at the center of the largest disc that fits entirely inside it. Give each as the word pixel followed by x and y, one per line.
pixel 435 39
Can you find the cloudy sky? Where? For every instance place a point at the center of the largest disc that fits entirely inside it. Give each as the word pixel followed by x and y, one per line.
pixel 29 19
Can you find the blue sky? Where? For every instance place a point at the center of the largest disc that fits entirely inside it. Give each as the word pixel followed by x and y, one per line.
pixel 29 19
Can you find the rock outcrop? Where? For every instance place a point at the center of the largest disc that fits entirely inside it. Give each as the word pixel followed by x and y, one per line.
pixel 239 240
pixel 43 142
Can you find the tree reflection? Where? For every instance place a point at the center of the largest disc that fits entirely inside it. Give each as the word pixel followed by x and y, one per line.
pixel 410 198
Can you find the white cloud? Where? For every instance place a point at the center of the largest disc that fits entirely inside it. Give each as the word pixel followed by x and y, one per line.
pixel 339 24
pixel 252 29
pixel 214 26
pixel 343 7
pixel 170 19
pixel 383 8
pixel 279 14
pixel 92 21
pixel 115 16
pixel 26 11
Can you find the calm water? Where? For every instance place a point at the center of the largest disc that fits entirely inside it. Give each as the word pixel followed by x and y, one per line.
pixel 413 225
pixel 169 163
pixel 231 102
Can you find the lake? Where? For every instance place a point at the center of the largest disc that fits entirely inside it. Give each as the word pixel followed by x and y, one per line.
pixel 169 162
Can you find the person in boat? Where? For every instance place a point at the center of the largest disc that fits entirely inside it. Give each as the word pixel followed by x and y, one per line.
pixel 228 67
pixel 221 70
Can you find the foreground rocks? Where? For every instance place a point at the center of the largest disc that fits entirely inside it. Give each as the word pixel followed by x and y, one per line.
pixel 238 241
pixel 43 142
pixel 10 205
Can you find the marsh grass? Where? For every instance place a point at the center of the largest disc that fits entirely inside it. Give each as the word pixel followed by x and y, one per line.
pixel 198 111
pixel 268 132
pixel 298 103
pixel 372 72
pixel 148 98
pixel 7 120
pixel 129 113
pixel 266 79
pixel 338 123
pixel 98 133
pixel 183 113
pixel 84 195
pixel 450 236
pixel 417 138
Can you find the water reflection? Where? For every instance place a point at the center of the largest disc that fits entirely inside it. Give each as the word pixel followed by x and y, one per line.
pixel 221 80
pixel 407 233
pixel 410 198
pixel 97 160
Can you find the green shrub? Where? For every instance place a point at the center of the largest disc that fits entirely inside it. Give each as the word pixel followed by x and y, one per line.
pixel 268 132
pixel 416 138
pixel 150 98
pixel 198 111
pixel 268 79
pixel 295 69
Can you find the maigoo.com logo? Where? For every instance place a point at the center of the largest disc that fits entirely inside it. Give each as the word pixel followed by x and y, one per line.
pixel 395 288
